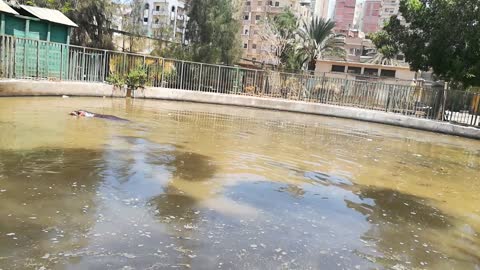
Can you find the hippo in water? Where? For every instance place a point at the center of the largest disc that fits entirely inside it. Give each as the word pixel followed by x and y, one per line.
pixel 97 115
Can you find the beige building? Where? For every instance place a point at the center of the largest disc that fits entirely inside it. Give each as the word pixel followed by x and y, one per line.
pixel 388 9
pixel 256 47
pixel 365 71
pixel 321 8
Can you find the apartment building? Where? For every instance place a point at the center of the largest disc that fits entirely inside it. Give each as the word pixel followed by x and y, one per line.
pixel 344 14
pixel 166 19
pixel 389 8
pixel 320 8
pixel 357 17
pixel 371 16
pixel 255 48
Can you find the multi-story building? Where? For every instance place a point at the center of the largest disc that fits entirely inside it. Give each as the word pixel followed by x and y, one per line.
pixel 344 14
pixel 256 48
pixel 166 19
pixel 371 16
pixel 321 8
pixel 389 8
pixel 357 15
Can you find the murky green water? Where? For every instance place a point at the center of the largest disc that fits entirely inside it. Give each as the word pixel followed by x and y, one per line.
pixel 210 187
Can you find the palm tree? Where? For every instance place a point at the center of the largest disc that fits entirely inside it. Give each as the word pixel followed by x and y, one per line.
pixel 386 50
pixel 319 41
pixel 380 58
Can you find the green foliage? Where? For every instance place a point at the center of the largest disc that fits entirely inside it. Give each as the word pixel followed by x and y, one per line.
pixel 442 35
pixel 387 49
pixel 319 40
pixel 116 80
pixel 286 24
pixel 136 78
pixel 173 51
pixel 213 32
pixel 384 44
pixel 296 46
pixel 84 13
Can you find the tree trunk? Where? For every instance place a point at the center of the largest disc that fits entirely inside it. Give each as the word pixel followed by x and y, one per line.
pixel 129 92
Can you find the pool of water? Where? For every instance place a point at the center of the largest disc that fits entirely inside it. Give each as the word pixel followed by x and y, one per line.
pixel 197 186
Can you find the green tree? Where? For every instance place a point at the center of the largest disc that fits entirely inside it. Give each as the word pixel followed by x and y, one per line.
pixel 386 49
pixel 93 17
pixel 132 23
pixel 213 31
pixel 443 35
pixel 319 40
pixel 172 50
pixel 281 33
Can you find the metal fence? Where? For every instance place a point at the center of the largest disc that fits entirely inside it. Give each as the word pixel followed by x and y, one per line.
pixel 33 59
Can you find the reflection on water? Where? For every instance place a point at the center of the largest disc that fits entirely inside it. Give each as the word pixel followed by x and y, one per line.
pixel 209 187
pixel 48 201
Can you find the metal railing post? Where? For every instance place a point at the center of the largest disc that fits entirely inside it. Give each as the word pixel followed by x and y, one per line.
pixel 255 82
pixel 218 78
pixel 181 75
pixel 124 71
pixel 163 71
pixel 24 59
pixel 38 59
pixel 104 72
pixel 83 64
pixel 200 77
pixel 61 62
pixel 237 81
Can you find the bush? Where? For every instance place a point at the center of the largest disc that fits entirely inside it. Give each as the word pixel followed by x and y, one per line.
pixel 116 80
pixel 136 78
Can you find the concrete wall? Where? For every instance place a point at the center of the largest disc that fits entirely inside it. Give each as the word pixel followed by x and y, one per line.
pixel 44 88
pixel 53 88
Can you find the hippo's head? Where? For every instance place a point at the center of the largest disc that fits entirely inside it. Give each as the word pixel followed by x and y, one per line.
pixel 79 113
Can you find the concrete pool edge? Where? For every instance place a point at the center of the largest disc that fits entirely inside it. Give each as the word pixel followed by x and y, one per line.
pixel 10 88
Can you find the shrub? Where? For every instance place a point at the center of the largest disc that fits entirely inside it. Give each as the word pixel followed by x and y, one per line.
pixel 116 80
pixel 136 78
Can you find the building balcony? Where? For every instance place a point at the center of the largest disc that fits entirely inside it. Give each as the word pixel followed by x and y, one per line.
pixel 160 13
pixel 272 9
pixel 158 25
pixel 260 8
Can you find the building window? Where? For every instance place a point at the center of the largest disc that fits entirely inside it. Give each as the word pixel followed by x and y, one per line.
pixel 258 17
pixel 245 45
pixel 145 19
pixel 147 6
pixel 354 70
pixel 337 68
pixel 173 8
pixel 157 8
pixel 277 4
pixel 400 57
pixel 254 46
pixel 388 73
pixel 245 17
pixel 270 3
pixel 246 32
pixel 248 3
pixel 370 71
pixel 156 21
